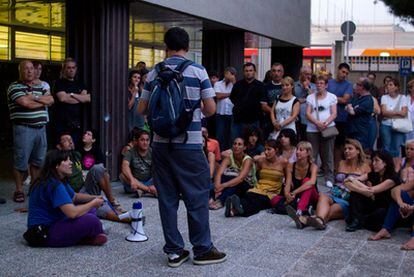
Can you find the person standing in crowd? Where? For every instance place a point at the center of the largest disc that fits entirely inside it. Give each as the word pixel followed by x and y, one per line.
pixel 224 113
pixel 214 77
pixel 285 109
pixel 246 97
pixel 342 88
pixel 321 113
pixel 140 65
pixel 410 104
pixel 28 104
pixel 371 76
pixel 384 89
pixel 67 217
pixel 274 89
pixel 180 167
pixel 360 110
pixel 134 118
pixel 71 95
pixel 303 88
pixel 393 105
pixel 38 68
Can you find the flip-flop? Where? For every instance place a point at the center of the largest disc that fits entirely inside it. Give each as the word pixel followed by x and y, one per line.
pixel 317 222
pixel 292 214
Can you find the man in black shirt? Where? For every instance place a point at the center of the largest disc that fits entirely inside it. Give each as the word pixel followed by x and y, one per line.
pixel 273 91
pixel 71 95
pixel 246 96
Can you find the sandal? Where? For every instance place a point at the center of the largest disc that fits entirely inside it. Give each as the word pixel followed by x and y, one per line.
pixel 18 196
pixel 216 205
pixel 317 222
pixel 293 215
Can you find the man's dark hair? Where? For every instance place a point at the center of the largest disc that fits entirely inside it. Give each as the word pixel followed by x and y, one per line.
pixel 373 74
pixel 277 64
pixel 344 65
pixel 249 64
pixel 36 63
pixel 177 39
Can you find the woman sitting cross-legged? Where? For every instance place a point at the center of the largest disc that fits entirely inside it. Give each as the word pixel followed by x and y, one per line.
pixel 335 205
pixel 236 174
pixel 300 188
pixel 54 219
pixel 368 203
pixel 272 169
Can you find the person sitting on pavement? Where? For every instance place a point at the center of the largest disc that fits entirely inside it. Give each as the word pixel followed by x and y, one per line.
pixel 301 192
pixel 90 177
pixel 288 141
pixel 368 203
pixel 402 204
pixel 236 174
pixel 55 219
pixel 334 204
pixel 136 167
pixel 272 169
pixel 212 144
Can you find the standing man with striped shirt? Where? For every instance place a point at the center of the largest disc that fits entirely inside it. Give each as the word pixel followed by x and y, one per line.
pixel 28 104
pixel 180 167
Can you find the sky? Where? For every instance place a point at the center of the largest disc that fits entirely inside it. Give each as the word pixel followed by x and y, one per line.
pixel 367 12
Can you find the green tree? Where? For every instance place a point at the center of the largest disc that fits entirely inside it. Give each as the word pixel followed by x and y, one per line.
pixel 401 8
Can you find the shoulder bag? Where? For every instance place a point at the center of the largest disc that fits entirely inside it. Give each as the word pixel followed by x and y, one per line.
pixel 328 132
pixel 401 124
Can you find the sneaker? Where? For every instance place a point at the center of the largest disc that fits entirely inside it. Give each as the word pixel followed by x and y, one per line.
pixel 27 181
pixel 329 184
pixel 175 260
pixel 211 257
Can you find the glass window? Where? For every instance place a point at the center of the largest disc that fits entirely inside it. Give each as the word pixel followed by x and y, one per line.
pixel 57 52
pixel 32 46
pixel 4 43
pixel 32 13
pixel 4 11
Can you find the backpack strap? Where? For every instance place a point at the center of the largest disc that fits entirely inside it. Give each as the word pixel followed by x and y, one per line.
pixel 183 65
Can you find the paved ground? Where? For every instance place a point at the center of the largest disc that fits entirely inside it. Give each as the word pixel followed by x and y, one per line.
pixel 262 245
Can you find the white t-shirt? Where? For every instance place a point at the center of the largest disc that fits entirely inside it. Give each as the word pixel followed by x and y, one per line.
pixel 224 106
pixel 390 104
pixel 324 109
pixel 283 111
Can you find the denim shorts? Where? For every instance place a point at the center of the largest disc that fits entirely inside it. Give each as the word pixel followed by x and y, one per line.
pixel 341 202
pixel 29 146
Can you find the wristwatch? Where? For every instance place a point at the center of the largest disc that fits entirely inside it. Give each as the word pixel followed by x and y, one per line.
pixel 36 98
pixel 71 94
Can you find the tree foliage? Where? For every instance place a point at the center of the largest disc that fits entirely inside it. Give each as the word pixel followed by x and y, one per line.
pixel 402 8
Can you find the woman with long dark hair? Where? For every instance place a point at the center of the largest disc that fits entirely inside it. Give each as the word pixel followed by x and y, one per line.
pixel 54 219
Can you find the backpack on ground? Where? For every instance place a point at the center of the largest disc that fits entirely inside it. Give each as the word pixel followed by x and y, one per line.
pixel 170 112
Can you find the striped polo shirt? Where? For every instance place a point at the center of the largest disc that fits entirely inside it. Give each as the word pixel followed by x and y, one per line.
pixel 197 84
pixel 21 115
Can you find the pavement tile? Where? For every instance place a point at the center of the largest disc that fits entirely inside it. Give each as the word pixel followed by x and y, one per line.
pixel 366 270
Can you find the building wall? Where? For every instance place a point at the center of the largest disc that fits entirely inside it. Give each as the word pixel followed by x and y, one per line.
pixel 287 21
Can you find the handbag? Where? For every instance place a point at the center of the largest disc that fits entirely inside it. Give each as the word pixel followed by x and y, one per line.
pixel 404 124
pixel 329 132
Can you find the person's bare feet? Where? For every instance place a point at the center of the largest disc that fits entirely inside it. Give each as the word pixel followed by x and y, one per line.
pixel 382 234
pixel 409 245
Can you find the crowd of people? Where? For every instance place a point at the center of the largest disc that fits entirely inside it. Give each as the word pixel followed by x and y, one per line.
pixel 273 144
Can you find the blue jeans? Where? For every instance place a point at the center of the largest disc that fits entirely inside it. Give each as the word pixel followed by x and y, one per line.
pixel 393 214
pixel 239 189
pixel 184 172
pixel 223 131
pixel 391 140
pixel 238 129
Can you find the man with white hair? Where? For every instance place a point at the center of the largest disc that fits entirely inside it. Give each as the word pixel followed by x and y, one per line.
pixel 28 103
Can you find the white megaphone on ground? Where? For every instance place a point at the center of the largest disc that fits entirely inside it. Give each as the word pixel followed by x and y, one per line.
pixel 137 223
